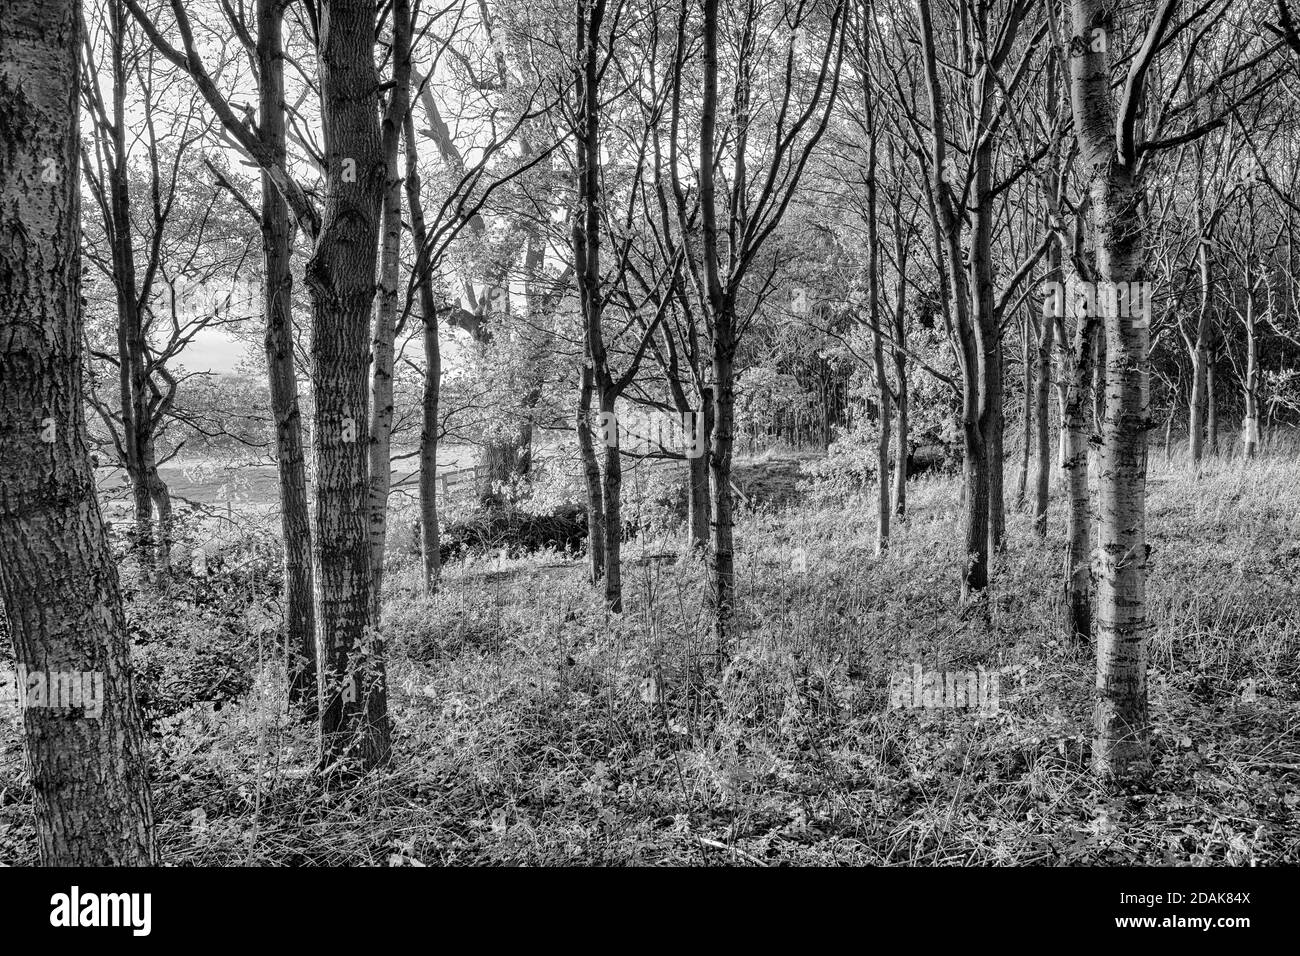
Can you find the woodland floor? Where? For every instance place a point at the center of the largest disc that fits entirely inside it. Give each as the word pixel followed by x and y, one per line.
pixel 533 728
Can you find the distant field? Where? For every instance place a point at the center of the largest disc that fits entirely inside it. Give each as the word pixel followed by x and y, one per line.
pixel 252 488
pixel 208 482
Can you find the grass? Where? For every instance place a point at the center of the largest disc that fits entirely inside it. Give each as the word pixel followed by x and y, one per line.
pixel 534 728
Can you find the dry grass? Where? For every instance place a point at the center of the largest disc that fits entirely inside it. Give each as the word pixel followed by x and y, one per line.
pixel 534 728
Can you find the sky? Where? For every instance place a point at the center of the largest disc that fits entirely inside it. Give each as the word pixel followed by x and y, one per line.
pixel 214 351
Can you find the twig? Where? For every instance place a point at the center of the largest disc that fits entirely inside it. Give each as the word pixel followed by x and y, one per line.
pixel 717 845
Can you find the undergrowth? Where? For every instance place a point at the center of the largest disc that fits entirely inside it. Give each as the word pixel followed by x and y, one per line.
pixel 531 727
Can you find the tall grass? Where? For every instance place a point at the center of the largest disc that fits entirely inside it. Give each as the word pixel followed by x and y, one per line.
pixel 534 727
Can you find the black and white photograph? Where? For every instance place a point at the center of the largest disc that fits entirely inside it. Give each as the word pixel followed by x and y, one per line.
pixel 643 434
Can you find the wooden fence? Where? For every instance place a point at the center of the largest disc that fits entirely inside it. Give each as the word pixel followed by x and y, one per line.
pixel 455 478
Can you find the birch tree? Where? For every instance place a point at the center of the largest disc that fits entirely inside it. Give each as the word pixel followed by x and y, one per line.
pixel 1117 146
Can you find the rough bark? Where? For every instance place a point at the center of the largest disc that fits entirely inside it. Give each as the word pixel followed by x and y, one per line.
pixel 884 410
pixel 722 553
pixel 381 367
pixel 898 351
pixel 1211 411
pixel 341 278
pixel 431 556
pixel 975 321
pixel 1199 346
pixel 1027 418
pixel 902 448
pixel 698 468
pixel 611 486
pixel 1042 425
pixel 57 575
pixel 987 325
pixel 591 480
pixel 602 490
pixel 723 318
pixel 295 517
pixel 151 545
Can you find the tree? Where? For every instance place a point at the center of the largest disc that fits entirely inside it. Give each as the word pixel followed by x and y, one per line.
pixel 141 397
pixel 598 291
pixel 1117 157
pixel 1109 152
pixel 884 394
pixel 738 219
pixel 277 296
pixel 976 306
pixel 468 191
pixel 1073 328
pixel 340 279
pixel 385 329
pixel 57 576
pixel 282 197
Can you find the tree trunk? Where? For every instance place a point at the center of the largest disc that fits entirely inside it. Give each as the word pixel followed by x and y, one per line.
pixel 341 278
pixel 883 503
pixel 591 479
pixel 1042 420
pixel 990 384
pixel 884 412
pixel 1200 350
pixel 1077 577
pixel 902 451
pixel 1250 391
pixel 975 503
pixel 971 322
pixel 1061 400
pixel 1211 411
pixel 989 335
pixel 1196 407
pixel 501 460
pixel 1121 745
pixel 295 522
pixel 142 540
pixel 58 578
pixel 381 373
pixel 611 491
pixel 1027 419
pixel 699 480
pixel 1169 430
pixel 586 264
pixel 431 555
pixel 133 363
pixel 162 504
pixel 721 556
pixel 430 543
pixel 1098 391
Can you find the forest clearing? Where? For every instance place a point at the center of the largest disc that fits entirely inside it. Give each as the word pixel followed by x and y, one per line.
pixel 532 728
